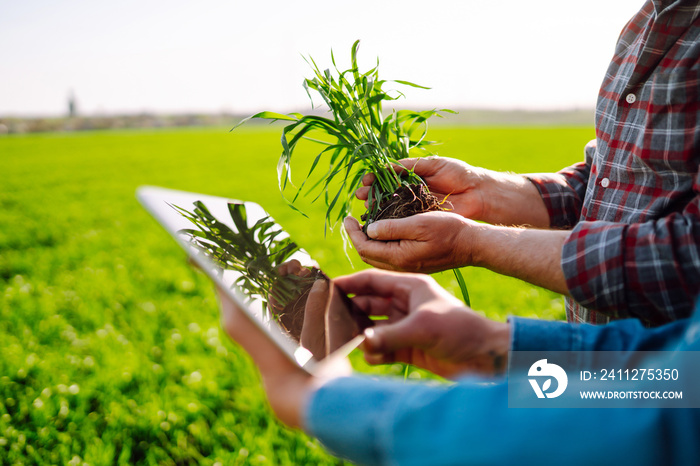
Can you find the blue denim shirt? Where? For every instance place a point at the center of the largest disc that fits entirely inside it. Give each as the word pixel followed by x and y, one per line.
pixel 384 421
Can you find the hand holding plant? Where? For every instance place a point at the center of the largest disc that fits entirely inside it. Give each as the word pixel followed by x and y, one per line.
pixel 449 180
pixel 426 243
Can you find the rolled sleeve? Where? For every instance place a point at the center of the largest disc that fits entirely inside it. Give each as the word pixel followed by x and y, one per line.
pixel 649 270
pixel 621 335
pixel 563 192
pixel 542 335
pixel 593 265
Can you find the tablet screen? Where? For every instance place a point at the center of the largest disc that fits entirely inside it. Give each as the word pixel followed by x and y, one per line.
pixel 258 264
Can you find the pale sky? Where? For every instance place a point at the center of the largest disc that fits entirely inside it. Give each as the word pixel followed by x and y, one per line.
pixel 160 56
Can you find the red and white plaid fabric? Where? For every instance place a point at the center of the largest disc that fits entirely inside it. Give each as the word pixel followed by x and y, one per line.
pixel 634 204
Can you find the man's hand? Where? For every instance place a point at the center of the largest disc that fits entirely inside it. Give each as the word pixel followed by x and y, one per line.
pixel 448 179
pixel 437 241
pixel 428 242
pixel 475 193
pixel 425 325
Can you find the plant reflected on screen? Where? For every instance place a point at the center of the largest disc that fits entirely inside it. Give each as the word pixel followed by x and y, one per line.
pixel 260 257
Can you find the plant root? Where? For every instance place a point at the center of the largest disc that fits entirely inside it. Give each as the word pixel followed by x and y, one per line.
pixel 406 201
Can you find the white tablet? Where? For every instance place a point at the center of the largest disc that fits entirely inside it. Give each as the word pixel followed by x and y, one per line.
pixel 248 255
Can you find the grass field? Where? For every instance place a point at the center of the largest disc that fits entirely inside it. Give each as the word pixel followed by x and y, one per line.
pixel 110 342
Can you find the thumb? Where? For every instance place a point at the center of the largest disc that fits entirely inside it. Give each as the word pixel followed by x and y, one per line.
pixel 393 337
pixel 317 298
pixel 395 229
pixel 313 330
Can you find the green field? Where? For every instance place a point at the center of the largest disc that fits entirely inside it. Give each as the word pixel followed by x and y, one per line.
pixel 111 347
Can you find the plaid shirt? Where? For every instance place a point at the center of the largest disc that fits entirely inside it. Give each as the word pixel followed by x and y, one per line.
pixel 634 204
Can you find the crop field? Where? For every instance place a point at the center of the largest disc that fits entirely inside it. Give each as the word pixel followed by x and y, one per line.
pixel 111 351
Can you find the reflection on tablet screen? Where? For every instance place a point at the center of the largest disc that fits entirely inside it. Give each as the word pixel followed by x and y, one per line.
pixel 248 253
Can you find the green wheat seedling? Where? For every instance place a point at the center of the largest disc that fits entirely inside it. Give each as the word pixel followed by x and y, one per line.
pixel 254 252
pixel 362 138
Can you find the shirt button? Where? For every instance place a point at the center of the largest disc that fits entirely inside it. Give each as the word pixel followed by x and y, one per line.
pixel 631 98
pixel 605 182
